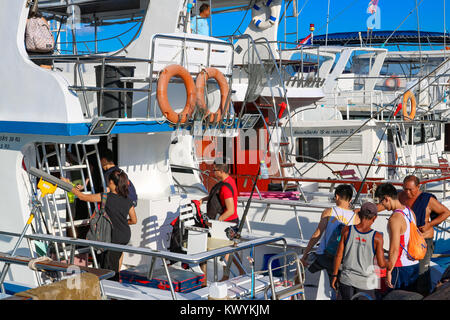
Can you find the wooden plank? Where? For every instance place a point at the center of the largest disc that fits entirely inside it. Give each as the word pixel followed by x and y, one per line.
pixel 55 266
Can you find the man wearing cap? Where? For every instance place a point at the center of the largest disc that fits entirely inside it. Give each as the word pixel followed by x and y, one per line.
pixel 357 248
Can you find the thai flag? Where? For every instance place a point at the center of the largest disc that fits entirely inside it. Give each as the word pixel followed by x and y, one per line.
pixel 306 41
pixel 373 6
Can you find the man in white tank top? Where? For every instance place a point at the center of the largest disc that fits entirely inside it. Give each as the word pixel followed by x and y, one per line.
pixel 401 270
pixel 329 221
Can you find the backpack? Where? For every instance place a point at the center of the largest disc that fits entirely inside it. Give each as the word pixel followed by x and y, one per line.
pixel 335 238
pixel 214 206
pixel 38 36
pixel 100 225
pixel 417 247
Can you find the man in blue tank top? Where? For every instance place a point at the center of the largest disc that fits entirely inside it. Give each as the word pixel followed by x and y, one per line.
pixel 330 220
pixel 429 213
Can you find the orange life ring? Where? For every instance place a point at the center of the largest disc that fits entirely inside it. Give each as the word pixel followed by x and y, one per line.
pixel 200 83
pixel 166 74
pixel 409 96
pixel 388 82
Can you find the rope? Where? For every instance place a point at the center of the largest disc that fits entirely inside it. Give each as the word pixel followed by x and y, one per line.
pixel 32 263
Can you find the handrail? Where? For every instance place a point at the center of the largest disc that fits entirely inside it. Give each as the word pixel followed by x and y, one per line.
pixel 384 165
pixel 186 258
pixel 348 181
pixel 163 255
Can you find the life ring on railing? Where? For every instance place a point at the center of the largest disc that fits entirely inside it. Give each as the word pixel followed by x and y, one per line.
pixel 406 97
pixel 393 82
pixel 166 74
pixel 200 83
pixel 258 12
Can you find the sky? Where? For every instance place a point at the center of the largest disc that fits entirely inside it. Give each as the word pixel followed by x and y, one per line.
pixel 351 15
pixel 344 16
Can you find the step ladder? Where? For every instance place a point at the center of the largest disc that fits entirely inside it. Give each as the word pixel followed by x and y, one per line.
pixel 279 138
pixel 288 20
pixel 401 143
pixel 70 161
pixel 296 289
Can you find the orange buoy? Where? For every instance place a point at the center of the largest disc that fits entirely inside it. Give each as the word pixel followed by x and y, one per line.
pixel 166 74
pixel 406 97
pixel 200 83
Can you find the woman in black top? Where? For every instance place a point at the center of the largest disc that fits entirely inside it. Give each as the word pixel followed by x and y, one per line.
pixel 119 208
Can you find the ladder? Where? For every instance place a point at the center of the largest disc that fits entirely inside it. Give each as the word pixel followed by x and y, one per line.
pixel 297 288
pixel 401 142
pixel 294 15
pixel 71 161
pixel 280 139
pixel 431 141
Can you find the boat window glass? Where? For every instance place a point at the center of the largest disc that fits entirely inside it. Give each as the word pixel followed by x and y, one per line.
pixel 418 136
pixel 351 146
pixel 309 149
pixel 432 130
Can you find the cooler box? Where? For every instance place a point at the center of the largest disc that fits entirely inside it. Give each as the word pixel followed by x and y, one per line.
pixel 182 280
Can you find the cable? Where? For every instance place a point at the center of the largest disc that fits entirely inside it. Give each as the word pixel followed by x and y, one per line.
pixel 384 43
pixel 375 115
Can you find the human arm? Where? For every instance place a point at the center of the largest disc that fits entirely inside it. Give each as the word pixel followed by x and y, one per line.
pixel 440 210
pixel 338 256
pixel 229 209
pixel 82 196
pixel 132 214
pixel 317 234
pixel 203 199
pixel 394 226
pixel 379 251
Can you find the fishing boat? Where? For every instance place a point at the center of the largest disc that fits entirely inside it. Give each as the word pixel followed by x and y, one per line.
pixel 131 100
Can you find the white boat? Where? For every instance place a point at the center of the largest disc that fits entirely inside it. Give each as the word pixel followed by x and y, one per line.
pixel 159 156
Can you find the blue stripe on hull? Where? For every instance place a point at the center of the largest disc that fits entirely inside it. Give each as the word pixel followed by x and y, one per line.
pixel 79 129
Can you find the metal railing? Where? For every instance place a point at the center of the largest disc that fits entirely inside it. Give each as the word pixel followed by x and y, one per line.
pixel 150 78
pixel 157 254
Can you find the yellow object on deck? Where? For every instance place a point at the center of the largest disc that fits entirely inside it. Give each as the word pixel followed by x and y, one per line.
pixel 46 187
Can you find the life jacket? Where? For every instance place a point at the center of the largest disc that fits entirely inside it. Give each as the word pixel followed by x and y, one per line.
pixel 214 205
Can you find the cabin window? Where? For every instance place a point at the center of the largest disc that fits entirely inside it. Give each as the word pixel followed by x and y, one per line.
pixel 309 149
pixel 416 134
pixel 351 146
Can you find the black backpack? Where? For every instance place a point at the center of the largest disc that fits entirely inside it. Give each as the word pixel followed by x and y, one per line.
pixel 100 226
pixel 214 206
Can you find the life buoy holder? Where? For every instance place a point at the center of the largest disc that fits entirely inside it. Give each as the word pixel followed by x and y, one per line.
pixel 257 11
pixel 392 79
pixel 166 74
pixel 200 83
pixel 406 97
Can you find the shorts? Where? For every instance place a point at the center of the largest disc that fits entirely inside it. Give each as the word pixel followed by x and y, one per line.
pixel 348 292
pixel 322 261
pixel 405 278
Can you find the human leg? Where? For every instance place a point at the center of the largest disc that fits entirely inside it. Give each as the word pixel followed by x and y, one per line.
pixel 424 278
pixel 346 292
pixel 111 262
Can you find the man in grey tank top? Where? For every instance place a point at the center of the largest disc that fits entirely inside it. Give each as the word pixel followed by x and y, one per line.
pixel 358 246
